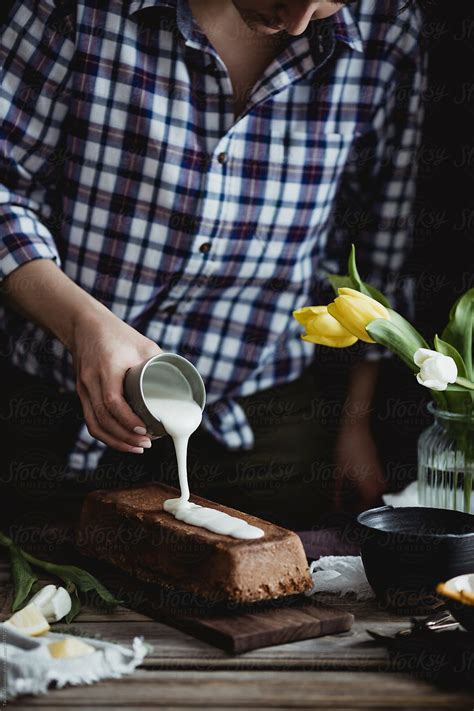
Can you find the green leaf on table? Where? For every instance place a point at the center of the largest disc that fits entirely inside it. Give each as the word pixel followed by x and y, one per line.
pixel 5 541
pixel 75 606
pixel 84 581
pixel 23 577
pixel 74 578
pixel 459 331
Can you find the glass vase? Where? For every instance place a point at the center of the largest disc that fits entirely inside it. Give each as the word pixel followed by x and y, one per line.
pixel 446 461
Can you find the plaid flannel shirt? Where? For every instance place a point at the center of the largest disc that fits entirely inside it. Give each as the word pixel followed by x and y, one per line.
pixel 121 159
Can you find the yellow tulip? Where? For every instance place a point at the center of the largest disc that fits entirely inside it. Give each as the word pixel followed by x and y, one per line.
pixel 323 329
pixel 355 311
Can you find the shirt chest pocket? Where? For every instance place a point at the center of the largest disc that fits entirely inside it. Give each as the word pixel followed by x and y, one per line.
pixel 299 175
pixel 317 157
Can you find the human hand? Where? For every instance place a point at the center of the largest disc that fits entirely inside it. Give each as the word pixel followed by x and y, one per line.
pixel 103 348
pixel 358 466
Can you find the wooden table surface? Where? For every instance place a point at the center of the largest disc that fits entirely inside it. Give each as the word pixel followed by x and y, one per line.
pixel 345 671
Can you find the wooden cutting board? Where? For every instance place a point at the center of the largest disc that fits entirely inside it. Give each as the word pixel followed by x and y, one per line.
pixel 266 628
pixel 236 629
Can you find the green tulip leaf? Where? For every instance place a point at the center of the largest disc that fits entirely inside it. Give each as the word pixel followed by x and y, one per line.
pixel 84 581
pixel 458 397
pixel 376 294
pixel 74 578
pixel 461 303
pixel 23 577
pixel 339 282
pixel 440 399
pixel 448 350
pixel 388 334
pixel 362 286
pixel 75 606
pixel 354 281
pixel 5 541
pixel 354 272
pixel 461 386
pixel 413 337
pixel 459 331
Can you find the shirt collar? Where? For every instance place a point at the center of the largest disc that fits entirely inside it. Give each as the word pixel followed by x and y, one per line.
pixel 344 28
pixel 138 5
pixel 182 17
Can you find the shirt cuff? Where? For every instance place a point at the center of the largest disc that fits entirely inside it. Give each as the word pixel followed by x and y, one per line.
pixel 31 240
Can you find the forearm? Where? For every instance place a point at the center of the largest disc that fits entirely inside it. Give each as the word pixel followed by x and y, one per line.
pixel 103 347
pixel 41 292
pixel 360 392
pixel 358 468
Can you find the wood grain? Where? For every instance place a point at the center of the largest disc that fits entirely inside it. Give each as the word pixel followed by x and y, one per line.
pixel 256 690
pixel 174 649
pixel 233 628
pixel 339 672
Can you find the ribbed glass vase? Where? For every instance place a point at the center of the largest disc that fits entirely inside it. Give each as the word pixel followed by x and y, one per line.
pixel 446 461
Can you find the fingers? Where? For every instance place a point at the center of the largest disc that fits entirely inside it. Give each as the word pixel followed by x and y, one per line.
pixel 99 433
pixel 103 425
pixel 116 405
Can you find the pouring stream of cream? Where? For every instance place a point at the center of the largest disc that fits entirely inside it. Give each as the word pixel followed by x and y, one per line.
pixel 169 398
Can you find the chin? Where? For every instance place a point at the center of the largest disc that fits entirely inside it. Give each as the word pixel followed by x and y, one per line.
pixel 263 30
pixel 255 25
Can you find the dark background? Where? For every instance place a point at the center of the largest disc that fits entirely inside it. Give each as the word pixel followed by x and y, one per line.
pixel 442 257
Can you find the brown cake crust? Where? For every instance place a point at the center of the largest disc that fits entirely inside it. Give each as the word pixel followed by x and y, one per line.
pixel 130 529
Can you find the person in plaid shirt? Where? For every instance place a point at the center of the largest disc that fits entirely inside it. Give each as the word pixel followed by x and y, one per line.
pixel 179 175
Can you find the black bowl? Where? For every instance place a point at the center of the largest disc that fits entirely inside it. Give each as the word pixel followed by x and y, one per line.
pixel 406 551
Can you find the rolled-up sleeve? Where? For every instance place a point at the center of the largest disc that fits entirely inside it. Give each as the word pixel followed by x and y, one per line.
pixel 36 51
pixel 377 198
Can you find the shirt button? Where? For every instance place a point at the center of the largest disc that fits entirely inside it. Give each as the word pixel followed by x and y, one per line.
pixel 205 247
pixel 222 158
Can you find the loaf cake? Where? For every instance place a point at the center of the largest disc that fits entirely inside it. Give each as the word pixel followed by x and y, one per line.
pixel 130 529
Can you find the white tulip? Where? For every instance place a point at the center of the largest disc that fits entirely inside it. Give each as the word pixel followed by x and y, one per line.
pixel 436 369
pixel 55 603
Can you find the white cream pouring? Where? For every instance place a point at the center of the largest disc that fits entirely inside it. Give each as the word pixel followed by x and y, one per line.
pixel 169 398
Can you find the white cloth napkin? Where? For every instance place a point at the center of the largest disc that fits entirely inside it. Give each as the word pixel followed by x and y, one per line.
pixel 345 574
pixel 26 667
pixel 341 575
pixel 407 497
